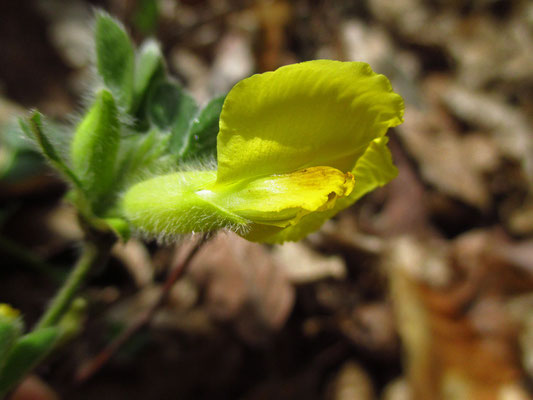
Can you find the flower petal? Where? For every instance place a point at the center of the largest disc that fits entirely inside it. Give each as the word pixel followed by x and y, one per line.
pixel 282 200
pixel 316 113
pixel 373 169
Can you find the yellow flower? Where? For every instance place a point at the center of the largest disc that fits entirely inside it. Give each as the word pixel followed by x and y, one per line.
pixel 295 146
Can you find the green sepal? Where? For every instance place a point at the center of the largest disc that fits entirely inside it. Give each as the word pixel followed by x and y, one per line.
pixel 27 352
pixel 149 68
pixel 201 138
pixel 174 204
pixel 94 148
pixel 115 58
pixel 34 129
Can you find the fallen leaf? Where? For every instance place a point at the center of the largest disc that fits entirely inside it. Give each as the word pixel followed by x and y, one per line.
pixel 243 286
pixel 304 265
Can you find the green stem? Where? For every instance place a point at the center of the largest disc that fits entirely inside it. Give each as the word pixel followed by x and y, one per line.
pixel 92 255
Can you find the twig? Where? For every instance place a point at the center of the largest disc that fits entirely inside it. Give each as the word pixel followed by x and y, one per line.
pixel 94 365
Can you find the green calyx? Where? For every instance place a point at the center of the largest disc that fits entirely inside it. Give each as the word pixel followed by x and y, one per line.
pixel 177 203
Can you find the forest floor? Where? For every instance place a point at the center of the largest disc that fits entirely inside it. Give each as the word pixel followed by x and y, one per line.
pixel 422 290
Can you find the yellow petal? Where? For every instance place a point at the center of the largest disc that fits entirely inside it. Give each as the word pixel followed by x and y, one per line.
pixel 317 113
pixel 374 169
pixel 282 200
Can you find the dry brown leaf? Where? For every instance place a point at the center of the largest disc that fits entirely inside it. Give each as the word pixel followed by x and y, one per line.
pixel 233 61
pixel 351 382
pixel 274 17
pixel 444 159
pixel 406 207
pixel 398 389
pixel 520 220
pixel 483 47
pixel 371 326
pixel 34 388
pixel 243 286
pixel 304 265
pixel 461 342
pixel 508 127
pixel 194 69
pixel 136 259
pixel 179 313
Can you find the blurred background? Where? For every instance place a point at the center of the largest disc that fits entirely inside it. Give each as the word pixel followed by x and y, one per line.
pixel 422 290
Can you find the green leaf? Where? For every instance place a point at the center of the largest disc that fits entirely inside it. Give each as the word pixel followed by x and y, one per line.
pixel 115 58
pixel 145 18
pixel 149 67
pixel 95 145
pixel 28 351
pixel 178 139
pixel 193 133
pixel 170 108
pixel 34 128
pixel 14 136
pixel 140 153
pixel 202 135
pixel 20 165
pixel 10 331
pixel 18 158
